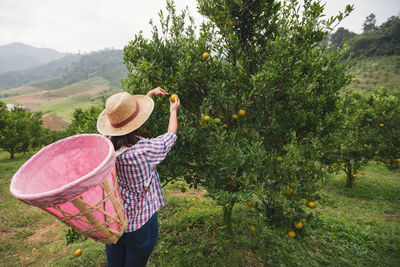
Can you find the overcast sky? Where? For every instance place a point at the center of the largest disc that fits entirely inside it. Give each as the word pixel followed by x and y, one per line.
pixel 89 25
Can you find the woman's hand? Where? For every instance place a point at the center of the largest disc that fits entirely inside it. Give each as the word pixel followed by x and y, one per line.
pixel 174 104
pixel 173 116
pixel 156 91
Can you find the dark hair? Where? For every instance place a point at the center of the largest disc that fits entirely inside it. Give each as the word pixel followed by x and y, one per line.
pixel 125 140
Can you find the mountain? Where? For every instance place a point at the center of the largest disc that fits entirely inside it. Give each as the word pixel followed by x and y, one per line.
pixel 51 70
pixel 106 63
pixel 68 70
pixel 19 56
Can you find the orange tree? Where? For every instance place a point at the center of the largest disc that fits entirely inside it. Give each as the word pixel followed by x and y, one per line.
pixel 369 132
pixel 21 130
pixel 260 56
pixel 352 144
pixel 383 114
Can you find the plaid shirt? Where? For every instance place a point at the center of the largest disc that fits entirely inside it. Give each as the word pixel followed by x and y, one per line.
pixel 136 170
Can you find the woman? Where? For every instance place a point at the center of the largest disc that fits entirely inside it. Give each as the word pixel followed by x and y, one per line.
pixel 138 179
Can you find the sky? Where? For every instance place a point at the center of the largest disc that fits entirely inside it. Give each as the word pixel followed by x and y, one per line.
pixel 89 25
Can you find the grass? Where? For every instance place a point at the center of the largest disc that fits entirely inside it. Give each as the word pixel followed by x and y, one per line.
pixel 359 226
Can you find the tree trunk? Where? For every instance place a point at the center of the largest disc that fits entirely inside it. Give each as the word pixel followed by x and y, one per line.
pixel 228 217
pixel 350 180
pixel 12 155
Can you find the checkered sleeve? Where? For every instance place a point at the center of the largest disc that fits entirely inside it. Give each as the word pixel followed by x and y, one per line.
pixel 157 148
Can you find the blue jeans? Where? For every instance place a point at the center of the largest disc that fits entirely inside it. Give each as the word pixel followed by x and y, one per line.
pixel 134 248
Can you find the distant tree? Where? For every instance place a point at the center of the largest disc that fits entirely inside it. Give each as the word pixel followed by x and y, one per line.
pixel 384 113
pixel 20 130
pixel 341 36
pixel 369 23
pixel 354 143
pixel 84 121
pixel 380 41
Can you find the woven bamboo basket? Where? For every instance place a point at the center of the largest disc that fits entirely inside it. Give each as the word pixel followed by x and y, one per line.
pixel 74 179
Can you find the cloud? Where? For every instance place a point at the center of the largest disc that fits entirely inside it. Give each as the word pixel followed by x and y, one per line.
pixel 87 25
pixel 84 25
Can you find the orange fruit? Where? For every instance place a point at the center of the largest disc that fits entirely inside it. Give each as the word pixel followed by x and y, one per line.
pixel 206 55
pixel 291 234
pixel 311 205
pixel 174 97
pixel 242 112
pixel 279 158
pixel 235 117
pixel 376 152
pixel 217 120
pixel 298 225
pixel 207 118
pixel 253 228
pixel 381 124
pixel 78 252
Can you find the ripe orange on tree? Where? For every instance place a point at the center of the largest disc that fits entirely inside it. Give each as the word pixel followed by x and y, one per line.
pixel 206 118
pixel 298 225
pixel 206 55
pixel 217 120
pixel 235 117
pixel 253 228
pixel 291 234
pixel 242 112
pixel 311 204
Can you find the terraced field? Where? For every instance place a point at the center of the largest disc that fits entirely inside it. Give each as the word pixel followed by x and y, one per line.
pixel 59 104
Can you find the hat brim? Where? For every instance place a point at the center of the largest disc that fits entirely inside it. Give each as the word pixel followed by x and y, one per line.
pixel 146 106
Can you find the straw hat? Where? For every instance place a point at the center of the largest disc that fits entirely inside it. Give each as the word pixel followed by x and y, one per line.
pixel 124 113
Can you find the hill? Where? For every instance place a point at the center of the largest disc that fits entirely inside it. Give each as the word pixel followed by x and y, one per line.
pixel 51 70
pixel 68 70
pixel 19 56
pixel 105 63
pixel 383 40
pixel 375 72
